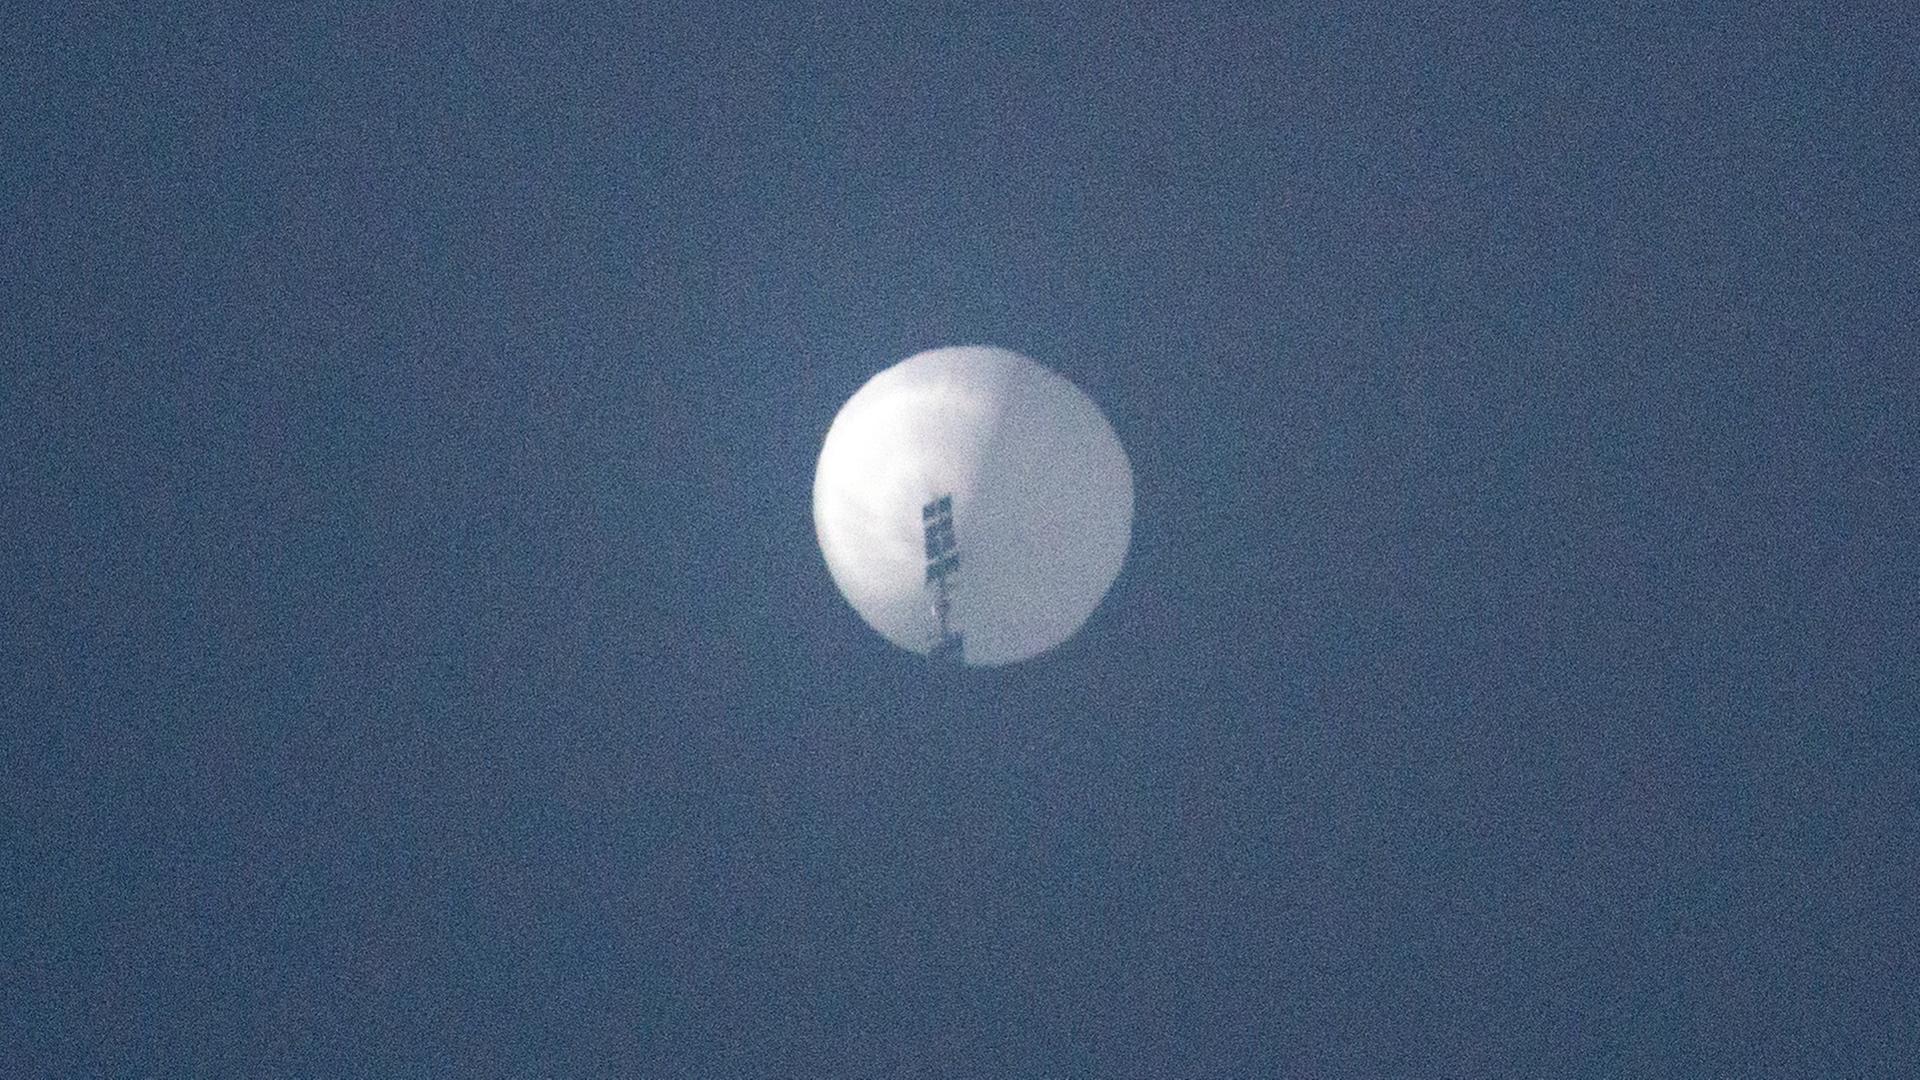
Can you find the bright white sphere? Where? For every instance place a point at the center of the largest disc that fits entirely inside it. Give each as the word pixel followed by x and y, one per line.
pixel 1042 501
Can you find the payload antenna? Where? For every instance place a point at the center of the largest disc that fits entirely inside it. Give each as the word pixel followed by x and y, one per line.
pixel 943 559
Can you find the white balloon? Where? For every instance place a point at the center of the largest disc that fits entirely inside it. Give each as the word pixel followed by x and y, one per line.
pixel 1042 502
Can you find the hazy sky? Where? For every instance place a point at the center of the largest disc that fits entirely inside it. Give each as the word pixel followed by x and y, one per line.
pixel 418 658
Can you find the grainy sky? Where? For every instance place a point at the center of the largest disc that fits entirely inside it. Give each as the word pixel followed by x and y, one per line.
pixel 418 661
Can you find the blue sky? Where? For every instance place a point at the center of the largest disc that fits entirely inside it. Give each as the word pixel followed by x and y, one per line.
pixel 421 662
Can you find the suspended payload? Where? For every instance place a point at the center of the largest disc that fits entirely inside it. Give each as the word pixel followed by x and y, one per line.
pixel 972 505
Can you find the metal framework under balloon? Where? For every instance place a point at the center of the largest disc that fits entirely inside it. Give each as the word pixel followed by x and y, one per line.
pixel 943 558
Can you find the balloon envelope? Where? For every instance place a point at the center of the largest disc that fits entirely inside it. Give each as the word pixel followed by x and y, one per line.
pixel 1042 502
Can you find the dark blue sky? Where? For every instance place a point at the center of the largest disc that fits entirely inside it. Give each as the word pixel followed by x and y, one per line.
pixel 419 661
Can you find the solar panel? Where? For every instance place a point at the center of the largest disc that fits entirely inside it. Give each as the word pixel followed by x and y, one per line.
pixel 943 558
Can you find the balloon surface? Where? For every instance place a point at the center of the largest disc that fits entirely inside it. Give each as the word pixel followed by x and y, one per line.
pixel 1041 511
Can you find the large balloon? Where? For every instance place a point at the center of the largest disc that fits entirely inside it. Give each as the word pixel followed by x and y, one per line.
pixel 972 504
